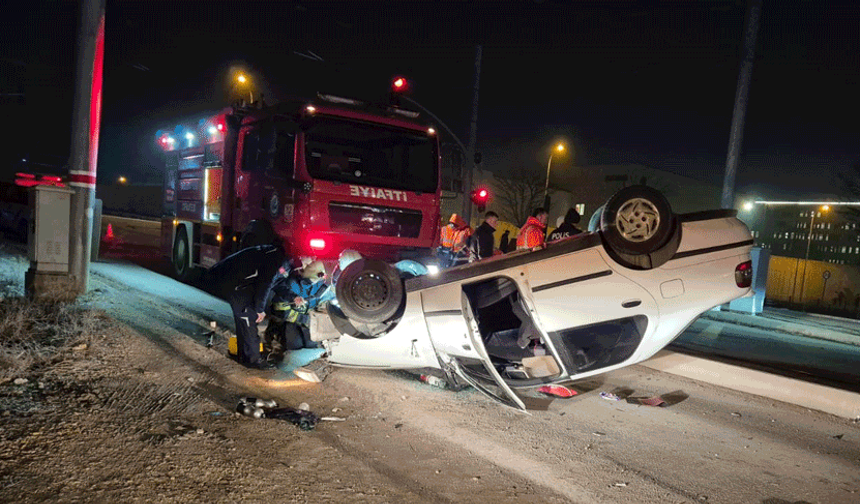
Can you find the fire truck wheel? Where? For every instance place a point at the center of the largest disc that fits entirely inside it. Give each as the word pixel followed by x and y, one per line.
pixel 182 268
pixel 638 227
pixel 369 292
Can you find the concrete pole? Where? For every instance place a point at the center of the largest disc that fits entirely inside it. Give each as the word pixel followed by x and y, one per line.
pixel 739 114
pixel 86 123
pixel 469 167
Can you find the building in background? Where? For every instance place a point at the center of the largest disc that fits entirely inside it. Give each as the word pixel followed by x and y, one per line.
pixel 822 231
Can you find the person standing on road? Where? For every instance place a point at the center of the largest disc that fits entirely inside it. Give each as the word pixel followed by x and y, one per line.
pixel 533 231
pixel 245 280
pixel 481 244
pixel 568 227
pixel 462 237
pixel 450 237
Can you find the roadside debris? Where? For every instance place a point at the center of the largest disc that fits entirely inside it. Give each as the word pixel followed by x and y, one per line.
pixel 647 401
pixel 267 408
pixel 433 380
pixel 620 484
pixel 314 371
pixel 21 381
pixel 80 348
pixel 557 391
pixel 332 419
pixel 609 396
pixel 838 436
pixel 736 414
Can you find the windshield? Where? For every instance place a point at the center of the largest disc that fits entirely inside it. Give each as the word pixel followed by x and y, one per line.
pixel 367 154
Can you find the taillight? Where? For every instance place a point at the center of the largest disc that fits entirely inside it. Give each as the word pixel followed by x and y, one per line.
pixel 743 274
pixel 317 244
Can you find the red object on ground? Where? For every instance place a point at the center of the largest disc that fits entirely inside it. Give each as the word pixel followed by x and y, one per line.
pixel 557 391
pixel 109 234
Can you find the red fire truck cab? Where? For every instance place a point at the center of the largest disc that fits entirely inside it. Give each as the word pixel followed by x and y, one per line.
pixel 320 175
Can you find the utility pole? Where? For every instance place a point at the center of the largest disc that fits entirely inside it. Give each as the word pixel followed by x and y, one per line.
pixel 86 123
pixel 739 114
pixel 473 129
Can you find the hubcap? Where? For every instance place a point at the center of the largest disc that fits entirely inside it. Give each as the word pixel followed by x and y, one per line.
pixel 369 291
pixel 637 220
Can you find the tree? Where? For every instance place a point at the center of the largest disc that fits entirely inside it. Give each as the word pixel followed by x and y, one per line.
pixel 517 196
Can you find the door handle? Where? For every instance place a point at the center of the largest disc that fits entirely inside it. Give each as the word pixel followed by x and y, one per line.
pixel 633 303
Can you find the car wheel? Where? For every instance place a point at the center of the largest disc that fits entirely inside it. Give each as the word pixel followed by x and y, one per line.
pixel 182 269
pixel 639 228
pixel 357 330
pixel 369 291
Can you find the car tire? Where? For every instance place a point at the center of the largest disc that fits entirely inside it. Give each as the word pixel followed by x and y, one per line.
pixel 369 292
pixel 182 268
pixel 357 330
pixel 639 228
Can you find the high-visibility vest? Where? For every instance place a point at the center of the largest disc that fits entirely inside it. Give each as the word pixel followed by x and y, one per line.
pixel 531 235
pixel 447 236
pixel 461 238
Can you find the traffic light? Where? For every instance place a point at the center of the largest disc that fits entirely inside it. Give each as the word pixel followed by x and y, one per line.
pixel 480 197
pixel 399 87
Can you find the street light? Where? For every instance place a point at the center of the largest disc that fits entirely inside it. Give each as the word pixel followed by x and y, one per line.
pixel 122 180
pixel 823 208
pixel 244 80
pixel 558 148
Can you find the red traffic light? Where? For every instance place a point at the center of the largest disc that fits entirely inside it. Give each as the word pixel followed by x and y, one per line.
pixel 399 84
pixel 480 197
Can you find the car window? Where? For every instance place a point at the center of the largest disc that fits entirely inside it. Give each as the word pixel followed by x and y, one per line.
pixel 595 346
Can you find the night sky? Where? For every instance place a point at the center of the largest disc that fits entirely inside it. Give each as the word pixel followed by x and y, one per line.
pixel 623 82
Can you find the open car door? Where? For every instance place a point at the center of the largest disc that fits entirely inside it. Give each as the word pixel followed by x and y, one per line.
pixel 480 373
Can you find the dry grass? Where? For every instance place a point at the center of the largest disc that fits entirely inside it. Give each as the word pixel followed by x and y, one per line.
pixel 34 332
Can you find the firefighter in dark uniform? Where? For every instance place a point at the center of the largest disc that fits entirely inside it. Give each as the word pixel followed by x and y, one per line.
pixel 245 280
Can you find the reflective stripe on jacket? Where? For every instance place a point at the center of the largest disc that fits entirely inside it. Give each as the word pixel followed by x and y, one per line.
pixel 531 235
pixel 447 236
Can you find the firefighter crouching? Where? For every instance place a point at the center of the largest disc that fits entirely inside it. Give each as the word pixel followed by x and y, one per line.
pixel 302 289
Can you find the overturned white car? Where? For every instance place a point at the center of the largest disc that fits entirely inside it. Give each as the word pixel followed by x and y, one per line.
pixel 599 301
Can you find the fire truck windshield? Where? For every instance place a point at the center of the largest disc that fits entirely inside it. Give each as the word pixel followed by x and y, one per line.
pixel 369 154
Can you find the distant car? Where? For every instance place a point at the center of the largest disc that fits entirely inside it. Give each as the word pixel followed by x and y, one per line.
pixel 588 304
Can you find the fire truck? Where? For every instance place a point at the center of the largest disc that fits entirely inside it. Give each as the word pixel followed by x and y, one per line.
pixel 320 176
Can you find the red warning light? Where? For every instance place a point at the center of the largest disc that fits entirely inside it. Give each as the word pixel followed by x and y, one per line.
pixel 399 84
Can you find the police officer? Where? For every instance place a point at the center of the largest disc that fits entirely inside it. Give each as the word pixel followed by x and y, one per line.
pixel 245 280
pixel 568 227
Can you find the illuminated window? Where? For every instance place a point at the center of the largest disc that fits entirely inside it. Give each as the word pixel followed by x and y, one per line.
pixel 843 250
pixel 580 208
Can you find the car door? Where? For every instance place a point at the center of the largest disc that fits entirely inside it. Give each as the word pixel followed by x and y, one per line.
pixel 582 290
pixel 481 373
pixel 468 359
